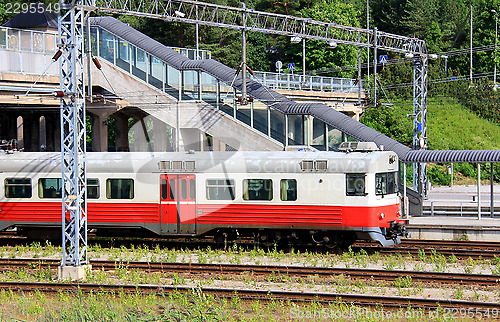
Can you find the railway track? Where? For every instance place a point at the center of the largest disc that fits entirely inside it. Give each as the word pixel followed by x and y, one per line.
pixel 295 271
pixel 460 249
pixel 261 295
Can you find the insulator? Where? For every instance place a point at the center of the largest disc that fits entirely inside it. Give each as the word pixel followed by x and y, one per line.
pixel 58 93
pixel 96 62
pixel 57 55
pixel 356 82
pixel 250 71
pixel 379 83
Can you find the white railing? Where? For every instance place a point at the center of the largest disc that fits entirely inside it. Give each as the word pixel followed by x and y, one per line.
pixel 27 40
pixel 307 82
pixel 27 51
pixel 460 208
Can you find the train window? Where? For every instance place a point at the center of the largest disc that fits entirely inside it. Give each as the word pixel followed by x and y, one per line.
pixel 50 188
pixel 184 189
pixel 386 183
pixel 288 189
pixel 120 188
pixel 355 184
pixel 220 189
pixel 17 188
pixel 192 190
pixel 258 189
pixel 164 189
pixel 171 183
pixel 93 188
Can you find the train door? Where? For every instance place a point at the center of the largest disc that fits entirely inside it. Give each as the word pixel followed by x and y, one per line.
pixel 178 203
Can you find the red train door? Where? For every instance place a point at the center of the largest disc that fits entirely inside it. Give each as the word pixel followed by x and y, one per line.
pixel 186 196
pixel 178 203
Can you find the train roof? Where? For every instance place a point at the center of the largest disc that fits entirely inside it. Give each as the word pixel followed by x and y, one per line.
pixel 207 162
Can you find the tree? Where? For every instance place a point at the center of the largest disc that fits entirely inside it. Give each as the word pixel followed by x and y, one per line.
pixel 318 54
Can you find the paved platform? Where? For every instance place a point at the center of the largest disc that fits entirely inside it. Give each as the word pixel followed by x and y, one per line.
pixel 451 213
pixel 455 228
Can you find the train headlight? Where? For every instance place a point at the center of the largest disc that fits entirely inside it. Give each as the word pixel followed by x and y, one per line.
pixel 382 216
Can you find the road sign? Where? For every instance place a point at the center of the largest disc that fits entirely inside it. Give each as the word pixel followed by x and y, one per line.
pixel 383 59
pixel 291 67
pixel 279 64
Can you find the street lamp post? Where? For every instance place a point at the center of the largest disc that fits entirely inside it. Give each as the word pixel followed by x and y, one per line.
pixel 496 38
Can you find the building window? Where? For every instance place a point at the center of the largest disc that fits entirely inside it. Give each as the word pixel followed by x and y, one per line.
pixel 355 184
pixel 120 189
pixel 93 188
pixel 386 183
pixel 50 188
pixel 17 188
pixel 288 189
pixel 258 189
pixel 220 189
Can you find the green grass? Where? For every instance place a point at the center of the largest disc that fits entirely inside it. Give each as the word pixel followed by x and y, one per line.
pixel 453 127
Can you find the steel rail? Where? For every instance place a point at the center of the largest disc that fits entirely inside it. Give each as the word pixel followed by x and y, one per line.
pixel 195 268
pixel 450 243
pixel 459 249
pixel 252 294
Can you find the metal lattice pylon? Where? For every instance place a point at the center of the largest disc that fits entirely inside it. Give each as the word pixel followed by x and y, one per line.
pixel 72 110
pixel 420 121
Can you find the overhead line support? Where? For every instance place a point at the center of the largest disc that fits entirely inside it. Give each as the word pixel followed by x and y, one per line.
pixel 73 160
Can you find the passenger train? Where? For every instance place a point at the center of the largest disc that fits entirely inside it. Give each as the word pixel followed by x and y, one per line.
pixel 331 198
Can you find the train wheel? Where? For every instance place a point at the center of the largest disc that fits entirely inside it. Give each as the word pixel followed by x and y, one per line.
pixel 346 240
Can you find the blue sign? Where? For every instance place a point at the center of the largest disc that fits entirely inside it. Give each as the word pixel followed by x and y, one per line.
pixel 291 67
pixel 383 59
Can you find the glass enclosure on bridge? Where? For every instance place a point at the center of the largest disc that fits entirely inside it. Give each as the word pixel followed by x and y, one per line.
pixel 185 85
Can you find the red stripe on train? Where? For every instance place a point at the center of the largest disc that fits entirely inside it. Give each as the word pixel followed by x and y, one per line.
pixel 239 214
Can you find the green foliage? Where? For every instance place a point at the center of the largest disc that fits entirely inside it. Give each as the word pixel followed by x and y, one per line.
pixel 482 99
pixel 318 54
pixel 438 174
pixel 390 121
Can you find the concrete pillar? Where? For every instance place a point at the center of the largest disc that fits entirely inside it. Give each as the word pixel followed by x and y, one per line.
pixel 17 131
pixel 190 140
pixel 141 136
pixel 43 133
pixel 160 138
pixel 218 145
pixel 99 133
pixel 121 133
pixel 203 141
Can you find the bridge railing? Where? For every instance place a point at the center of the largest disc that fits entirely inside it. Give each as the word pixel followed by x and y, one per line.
pixel 307 82
pixel 27 51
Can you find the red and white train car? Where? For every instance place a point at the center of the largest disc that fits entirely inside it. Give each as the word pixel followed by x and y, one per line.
pixel 325 197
